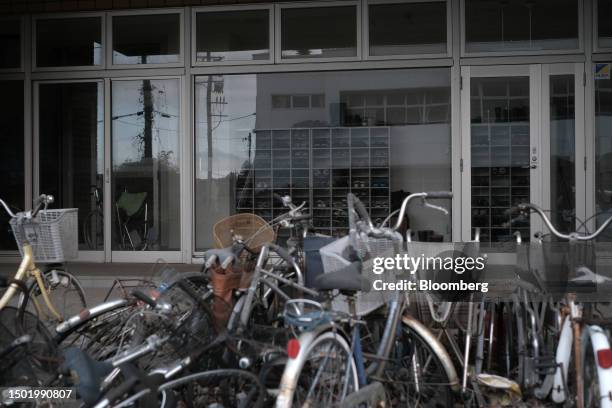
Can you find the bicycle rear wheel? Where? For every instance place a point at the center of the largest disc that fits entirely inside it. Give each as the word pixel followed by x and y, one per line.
pixel 327 373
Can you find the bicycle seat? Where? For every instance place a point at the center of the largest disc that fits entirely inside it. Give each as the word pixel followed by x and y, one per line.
pixel 86 372
pixel 347 279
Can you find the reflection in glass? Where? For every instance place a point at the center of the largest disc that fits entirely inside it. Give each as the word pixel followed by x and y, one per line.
pixel 604 23
pixel 562 152
pixel 134 42
pixel 603 149
pixel 233 35
pixel 361 140
pixel 500 156
pixel 11 156
pixel 518 25
pixel 71 142
pixel 68 42
pixel 145 159
pixel 10 43
pixel 323 32
pixel 407 28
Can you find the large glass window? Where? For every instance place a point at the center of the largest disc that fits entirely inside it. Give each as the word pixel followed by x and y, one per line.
pixel 407 28
pixel 233 35
pixel 322 32
pixel 64 42
pixel 71 146
pixel 317 137
pixel 604 23
pixel 11 156
pixel 134 42
pixel 146 165
pixel 603 146
pixel 10 43
pixel 520 25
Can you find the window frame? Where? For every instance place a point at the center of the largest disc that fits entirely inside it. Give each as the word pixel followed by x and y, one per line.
pixel 146 12
pixel 579 50
pixel 216 9
pixel 596 47
pixel 317 4
pixel 103 62
pixel 365 31
pixel 22 32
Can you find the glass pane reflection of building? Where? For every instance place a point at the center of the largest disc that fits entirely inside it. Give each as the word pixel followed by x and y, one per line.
pixel 317 137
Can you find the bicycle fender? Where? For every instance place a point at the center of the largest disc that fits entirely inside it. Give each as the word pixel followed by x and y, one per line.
pixel 437 348
pixel 562 358
pixel 599 341
pixel 289 379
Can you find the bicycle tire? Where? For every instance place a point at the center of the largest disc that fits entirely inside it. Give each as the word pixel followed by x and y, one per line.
pixel 434 386
pixel 91 239
pixel 316 358
pixel 66 280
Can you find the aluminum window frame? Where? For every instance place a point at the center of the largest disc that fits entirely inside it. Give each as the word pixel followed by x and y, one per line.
pixel 111 65
pixel 22 42
pixel 365 31
pixel 579 50
pixel 60 16
pixel 595 32
pixel 278 14
pixel 82 255
pixel 219 9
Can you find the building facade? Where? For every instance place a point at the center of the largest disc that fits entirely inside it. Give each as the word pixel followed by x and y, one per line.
pixel 158 119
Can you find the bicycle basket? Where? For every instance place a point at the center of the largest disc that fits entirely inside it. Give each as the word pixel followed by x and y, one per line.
pixel 52 234
pixel 253 229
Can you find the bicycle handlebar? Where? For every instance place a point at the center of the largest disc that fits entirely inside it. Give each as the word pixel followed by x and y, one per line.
pixel 424 196
pixel 43 199
pixel 572 235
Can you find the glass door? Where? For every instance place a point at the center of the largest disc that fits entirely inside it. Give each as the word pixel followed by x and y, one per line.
pixel 563 145
pixel 69 155
pixel 145 170
pixel 500 150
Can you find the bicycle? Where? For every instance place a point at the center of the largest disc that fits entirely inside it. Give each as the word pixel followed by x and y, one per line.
pixel 327 361
pixel 577 333
pixel 93 226
pixel 44 236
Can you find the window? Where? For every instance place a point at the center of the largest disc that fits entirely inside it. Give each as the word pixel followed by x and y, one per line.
pixel 604 24
pixel 321 32
pixel 63 42
pixel 241 35
pixel 603 146
pixel 72 132
pixel 135 42
pixel 145 135
pixel 298 101
pixel 407 28
pixel 251 143
pixel 520 25
pixel 11 156
pixel 10 43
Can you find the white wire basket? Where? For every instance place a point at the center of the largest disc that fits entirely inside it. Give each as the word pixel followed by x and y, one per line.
pixel 53 234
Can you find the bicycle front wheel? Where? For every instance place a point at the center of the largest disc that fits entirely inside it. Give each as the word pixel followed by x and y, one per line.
pixel 326 375
pixel 65 293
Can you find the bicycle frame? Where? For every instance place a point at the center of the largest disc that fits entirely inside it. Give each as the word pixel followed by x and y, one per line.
pixel 27 268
